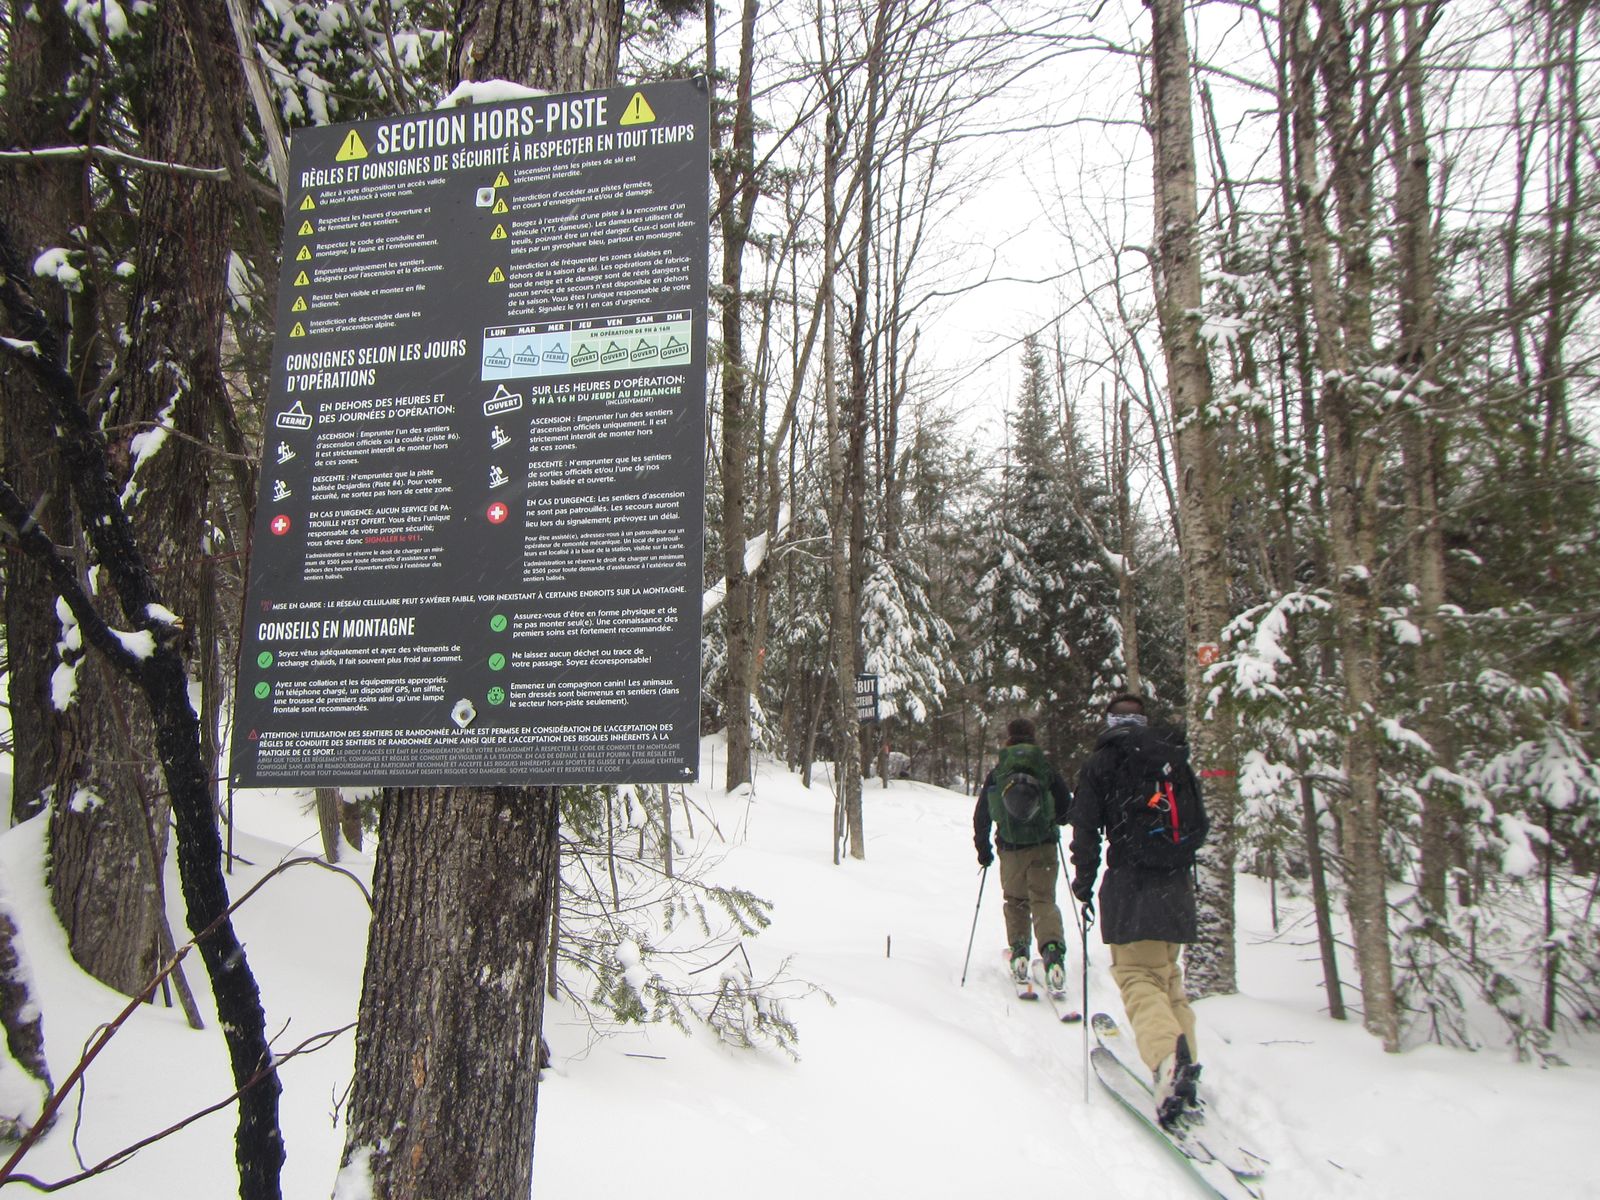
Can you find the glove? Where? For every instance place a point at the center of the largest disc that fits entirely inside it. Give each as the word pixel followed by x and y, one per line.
pixel 985 857
pixel 1083 890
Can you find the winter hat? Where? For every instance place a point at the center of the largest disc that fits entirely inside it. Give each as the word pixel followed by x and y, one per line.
pixel 1121 710
pixel 1020 730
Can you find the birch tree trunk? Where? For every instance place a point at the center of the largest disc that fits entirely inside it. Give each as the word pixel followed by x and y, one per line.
pixel 842 631
pixel 1121 482
pixel 1202 500
pixel 1343 311
pixel 445 1093
pixel 1422 442
pixel 1295 122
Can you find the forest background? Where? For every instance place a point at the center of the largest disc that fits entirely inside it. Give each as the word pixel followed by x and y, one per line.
pixel 1294 306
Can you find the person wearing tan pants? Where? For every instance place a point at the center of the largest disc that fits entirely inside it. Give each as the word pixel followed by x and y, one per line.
pixel 1151 981
pixel 1148 915
pixel 1028 884
pixel 1030 853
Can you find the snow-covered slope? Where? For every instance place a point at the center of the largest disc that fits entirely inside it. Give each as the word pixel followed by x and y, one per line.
pixel 908 1085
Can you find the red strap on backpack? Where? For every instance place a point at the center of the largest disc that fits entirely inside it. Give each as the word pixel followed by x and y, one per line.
pixel 1165 793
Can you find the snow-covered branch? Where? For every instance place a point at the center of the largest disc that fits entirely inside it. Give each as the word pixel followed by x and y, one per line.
pixel 117 156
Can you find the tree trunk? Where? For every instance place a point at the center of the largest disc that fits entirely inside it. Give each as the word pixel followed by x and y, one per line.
pixel 328 804
pixel 1127 597
pixel 1202 502
pixel 842 626
pixel 41 203
pixel 350 823
pixel 1344 346
pixel 855 426
pixel 22 1027
pixel 1321 906
pixel 734 170
pixel 108 834
pixel 1421 447
pixel 445 1094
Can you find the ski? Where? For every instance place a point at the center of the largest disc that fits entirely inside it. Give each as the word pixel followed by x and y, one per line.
pixel 1058 1000
pixel 1024 987
pixel 1130 1091
pixel 1204 1137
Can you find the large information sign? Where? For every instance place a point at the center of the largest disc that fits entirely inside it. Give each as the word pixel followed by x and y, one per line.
pixel 477 551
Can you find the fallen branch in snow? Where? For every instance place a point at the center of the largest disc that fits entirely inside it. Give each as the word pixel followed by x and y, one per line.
pixel 311 1045
pixel 109 1030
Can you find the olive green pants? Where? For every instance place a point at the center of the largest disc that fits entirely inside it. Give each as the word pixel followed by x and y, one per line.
pixel 1028 883
pixel 1153 996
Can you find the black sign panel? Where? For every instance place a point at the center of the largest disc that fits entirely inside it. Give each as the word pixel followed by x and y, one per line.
pixel 477 551
pixel 866 697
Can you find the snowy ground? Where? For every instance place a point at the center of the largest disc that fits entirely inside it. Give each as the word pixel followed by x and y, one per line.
pixel 908 1084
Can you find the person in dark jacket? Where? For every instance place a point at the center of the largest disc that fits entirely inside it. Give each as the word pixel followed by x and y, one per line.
pixel 1028 870
pixel 1145 917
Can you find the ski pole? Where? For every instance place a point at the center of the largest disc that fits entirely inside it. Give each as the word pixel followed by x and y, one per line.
pixel 1079 915
pixel 982 875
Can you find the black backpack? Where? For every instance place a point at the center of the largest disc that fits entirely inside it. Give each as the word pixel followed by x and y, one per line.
pixel 1155 805
pixel 1020 804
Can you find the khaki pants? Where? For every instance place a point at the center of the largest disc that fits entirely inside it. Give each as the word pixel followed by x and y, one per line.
pixel 1028 883
pixel 1153 997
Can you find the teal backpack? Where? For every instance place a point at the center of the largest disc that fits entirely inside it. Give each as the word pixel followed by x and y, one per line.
pixel 1020 804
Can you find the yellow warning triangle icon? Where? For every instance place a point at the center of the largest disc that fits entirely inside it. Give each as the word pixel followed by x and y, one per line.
pixel 301 279
pixel 308 203
pixel 352 149
pixel 499 207
pixel 500 180
pixel 305 253
pixel 299 304
pixel 498 234
pixel 306 227
pixel 299 330
pixel 638 112
pixel 497 276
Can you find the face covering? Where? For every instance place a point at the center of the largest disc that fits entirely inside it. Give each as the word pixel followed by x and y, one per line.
pixel 1115 719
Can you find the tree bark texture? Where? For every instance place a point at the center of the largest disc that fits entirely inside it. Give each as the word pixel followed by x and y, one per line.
pixel 1127 606
pixel 1202 501
pixel 562 47
pixel 328 806
pixel 445 1093
pixel 41 203
pixel 22 1026
pixel 108 833
pixel 734 168
pixel 1422 449
pixel 856 424
pixel 1343 313
pixel 842 616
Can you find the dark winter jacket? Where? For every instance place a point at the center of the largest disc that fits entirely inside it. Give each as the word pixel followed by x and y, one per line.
pixel 1135 905
pixel 983 823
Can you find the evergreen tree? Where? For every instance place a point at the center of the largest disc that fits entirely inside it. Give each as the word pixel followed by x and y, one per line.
pixel 1045 620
